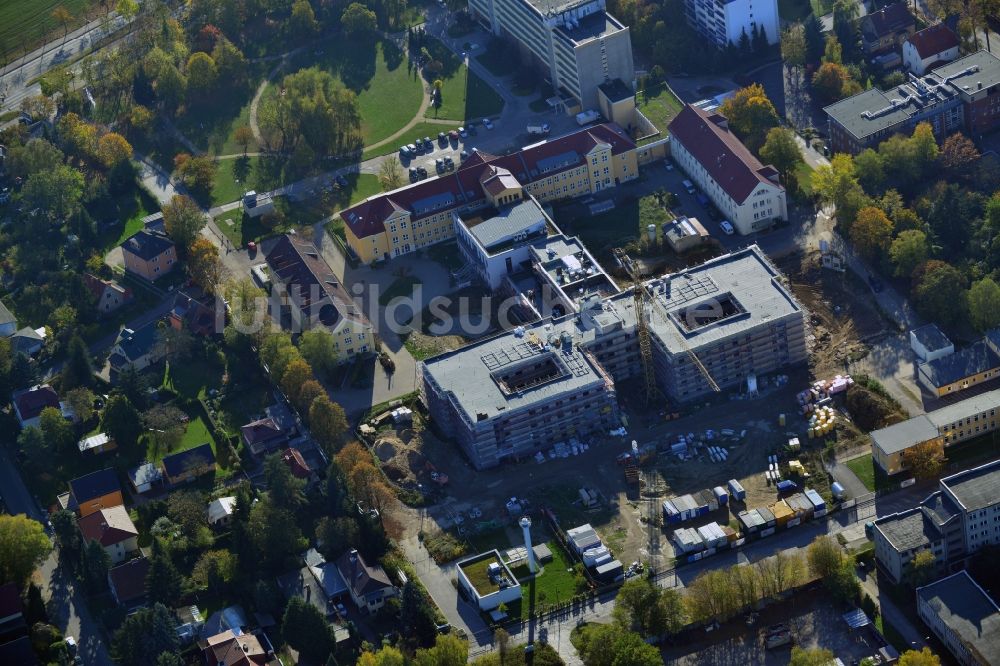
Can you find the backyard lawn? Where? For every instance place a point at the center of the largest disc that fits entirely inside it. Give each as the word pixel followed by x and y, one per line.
pixel 463 95
pixel 660 105
pixel 804 174
pixel 123 217
pixel 863 468
pixel 558 583
pixel 614 228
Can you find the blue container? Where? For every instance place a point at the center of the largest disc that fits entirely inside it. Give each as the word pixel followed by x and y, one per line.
pixel 721 495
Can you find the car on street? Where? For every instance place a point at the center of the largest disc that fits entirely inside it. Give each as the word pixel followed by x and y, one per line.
pixel 702 199
pixel 487 123
pixel 875 283
pixel 727 227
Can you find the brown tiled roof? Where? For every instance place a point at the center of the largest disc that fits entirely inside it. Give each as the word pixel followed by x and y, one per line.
pixel 97 286
pixel 888 20
pixel 129 579
pixel 464 186
pixel 301 268
pixel 933 40
pixel 232 650
pixel 360 577
pixel 296 463
pixel 31 402
pixel 108 526
pixel 727 160
pixel 262 430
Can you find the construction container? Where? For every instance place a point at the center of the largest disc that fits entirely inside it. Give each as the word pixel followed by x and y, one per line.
pixel 721 495
pixel 782 513
pixel 802 507
pixel 751 521
pixel 671 514
pixel 819 506
pixel 688 540
pixel 592 555
pixel 767 516
pixel 610 572
pixel 731 534
pixel 686 507
pixel 583 538
pixel 787 486
pixel 712 535
pixel 736 490
pixel 705 502
pixel 603 559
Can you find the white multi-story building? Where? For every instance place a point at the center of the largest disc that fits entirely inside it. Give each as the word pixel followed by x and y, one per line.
pixel 964 617
pixel 745 191
pixel 577 43
pixel 953 523
pixel 724 21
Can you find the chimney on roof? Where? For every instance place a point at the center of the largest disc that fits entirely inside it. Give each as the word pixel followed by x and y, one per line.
pixel 246 648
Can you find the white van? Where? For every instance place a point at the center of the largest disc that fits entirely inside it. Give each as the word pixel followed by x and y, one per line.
pixel 689 186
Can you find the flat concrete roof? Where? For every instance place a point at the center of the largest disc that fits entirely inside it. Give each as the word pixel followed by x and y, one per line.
pixel 906 530
pixel 976 488
pixel 931 337
pixel 904 434
pixel 494 227
pixel 968 611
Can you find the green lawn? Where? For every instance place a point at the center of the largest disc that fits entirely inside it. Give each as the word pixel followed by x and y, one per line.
pixel 557 583
pixel 794 10
pixel 211 128
pixel 29 22
pixel 418 131
pixel 497 61
pixel 804 174
pixel 463 95
pixel 126 211
pixel 233 177
pixel 192 380
pixel 863 468
pixel 402 286
pixel 477 573
pixel 389 92
pixel 660 105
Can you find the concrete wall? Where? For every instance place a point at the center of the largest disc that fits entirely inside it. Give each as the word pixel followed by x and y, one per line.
pixel 913 62
pixel 600 60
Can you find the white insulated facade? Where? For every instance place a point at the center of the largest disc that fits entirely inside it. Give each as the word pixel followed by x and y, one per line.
pixel 724 22
pixel 578 43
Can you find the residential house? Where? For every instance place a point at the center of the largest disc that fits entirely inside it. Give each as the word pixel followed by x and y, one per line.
pixel 195 312
pixel 12 621
pixel 28 341
pixel 369 586
pixel 930 47
pixel 128 583
pixel 8 322
pixel 93 492
pixel 263 436
pixel 296 463
pixel 188 465
pixel 414 216
pixel 745 191
pixel 97 444
pixel 149 255
pixel 113 529
pixel 220 511
pixel 145 478
pixel 313 296
pixel 137 348
pixel 108 294
pixel 318 583
pixel 231 649
pixel 29 403
pixel 963 617
pixel 887 29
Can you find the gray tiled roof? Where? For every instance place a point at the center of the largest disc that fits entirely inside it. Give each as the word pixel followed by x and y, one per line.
pixel 972 360
pixel 931 337
pixel 904 434
pixel 508 222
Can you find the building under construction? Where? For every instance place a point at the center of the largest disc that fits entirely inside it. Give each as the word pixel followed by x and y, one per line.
pixel 522 391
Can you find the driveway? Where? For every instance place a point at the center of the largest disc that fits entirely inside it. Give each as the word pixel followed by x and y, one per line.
pixel 68 611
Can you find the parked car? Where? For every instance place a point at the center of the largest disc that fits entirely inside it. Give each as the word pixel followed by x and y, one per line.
pixel 414 176
pixel 449 163
pixel 439 165
pixel 422 172
pixel 727 227
pixel 453 135
pixel 413 149
pixel 702 199
pixel 428 144
pixel 462 133
pixel 488 124
pixel 464 155
pixel 442 138
pixel 404 152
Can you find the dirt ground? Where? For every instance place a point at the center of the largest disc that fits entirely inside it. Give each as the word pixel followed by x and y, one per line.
pixel 840 322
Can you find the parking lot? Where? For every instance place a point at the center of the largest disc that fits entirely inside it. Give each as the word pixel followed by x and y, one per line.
pixel 814 623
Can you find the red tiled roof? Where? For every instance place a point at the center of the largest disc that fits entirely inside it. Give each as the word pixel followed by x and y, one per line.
pixel 31 402
pixel 108 526
pixel 231 650
pixel 296 463
pixel 129 580
pixel 724 156
pixel 367 218
pixel 934 40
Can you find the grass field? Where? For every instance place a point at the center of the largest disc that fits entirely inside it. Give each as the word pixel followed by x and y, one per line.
pixel 418 131
pixel 212 129
pixel 463 95
pixel 863 468
pixel 660 105
pixel 127 212
pixel 389 92
pixel 30 22
pixel 558 583
pixel 804 174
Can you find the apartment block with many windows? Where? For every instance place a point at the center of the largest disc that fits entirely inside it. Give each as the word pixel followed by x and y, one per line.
pixel 723 22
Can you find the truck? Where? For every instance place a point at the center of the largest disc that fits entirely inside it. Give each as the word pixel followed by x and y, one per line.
pixel 538 130
pixel 587 117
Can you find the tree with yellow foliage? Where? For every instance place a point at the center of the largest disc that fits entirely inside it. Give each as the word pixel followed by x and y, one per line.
pixel 750 114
